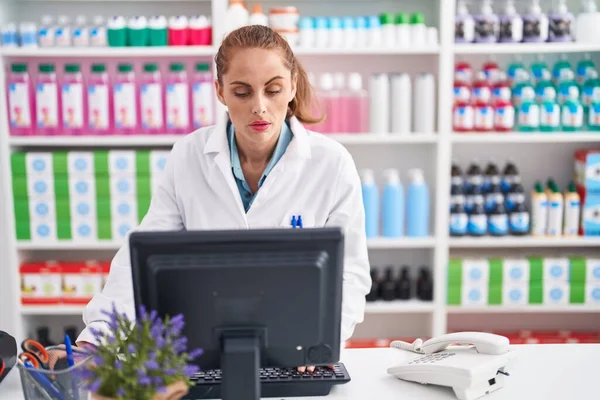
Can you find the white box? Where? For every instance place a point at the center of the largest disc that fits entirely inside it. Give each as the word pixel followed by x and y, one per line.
pixel 123 208
pixel 476 272
pixel 43 231
pixel 84 229
pixel 121 163
pixel 123 187
pixel 80 164
pixel 82 187
pixel 556 293
pixel 556 269
pixel 515 271
pixel 515 294
pixel 83 208
pixel 39 165
pixel 40 187
pixel 158 161
pixel 42 210
pixel 592 293
pixel 121 227
pixel 474 295
pixel 592 270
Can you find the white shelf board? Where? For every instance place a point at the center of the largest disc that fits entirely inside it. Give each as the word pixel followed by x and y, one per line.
pixel 68 246
pixel 525 48
pixel 91 141
pixel 525 137
pixel 399 307
pixel 401 243
pixel 378 138
pixel 80 52
pixel 304 51
pixel 52 309
pixel 567 308
pixel 523 241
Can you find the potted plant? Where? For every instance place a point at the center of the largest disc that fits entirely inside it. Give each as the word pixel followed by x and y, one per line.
pixel 145 359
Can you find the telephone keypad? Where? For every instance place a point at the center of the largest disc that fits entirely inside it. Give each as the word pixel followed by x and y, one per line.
pixel 431 358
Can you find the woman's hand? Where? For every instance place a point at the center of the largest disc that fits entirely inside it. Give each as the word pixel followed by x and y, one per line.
pixel 59 353
pixel 310 368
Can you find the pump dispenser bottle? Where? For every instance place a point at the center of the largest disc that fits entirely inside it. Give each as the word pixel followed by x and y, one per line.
pixel 464 25
pixel 511 24
pixel 561 24
pixel 393 205
pixel 535 24
pixel 370 194
pixel 486 24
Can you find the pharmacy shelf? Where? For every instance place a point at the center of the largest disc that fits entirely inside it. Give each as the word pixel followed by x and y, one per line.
pixel 567 308
pixel 378 138
pixel 522 137
pixel 401 243
pixel 350 51
pixel 82 52
pixel 52 309
pixel 399 307
pixel 523 242
pixel 525 48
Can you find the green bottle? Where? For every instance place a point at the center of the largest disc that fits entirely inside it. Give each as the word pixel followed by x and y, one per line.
pixel 584 67
pixel 589 89
pixel 528 112
pixel 512 71
pixel 521 82
pixel 549 111
pixel 567 88
pixel 561 68
pixel 572 112
pixel 540 72
pixel 543 89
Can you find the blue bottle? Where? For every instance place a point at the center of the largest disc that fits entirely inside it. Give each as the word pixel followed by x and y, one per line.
pixel 498 218
pixel 393 205
pixel 417 205
pixel 370 194
pixel 459 218
pixel 478 221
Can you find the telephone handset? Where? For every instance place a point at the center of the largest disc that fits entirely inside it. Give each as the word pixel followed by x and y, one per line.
pixel 472 363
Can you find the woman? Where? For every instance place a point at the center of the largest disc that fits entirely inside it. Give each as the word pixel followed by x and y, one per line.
pixel 255 171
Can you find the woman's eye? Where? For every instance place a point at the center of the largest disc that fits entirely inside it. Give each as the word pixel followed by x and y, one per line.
pixel 273 92
pixel 241 94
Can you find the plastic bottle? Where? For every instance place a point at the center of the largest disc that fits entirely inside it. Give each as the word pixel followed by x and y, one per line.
pixel 116 31
pixel 540 71
pixel 561 24
pixel 492 197
pixel 125 101
pixel 584 68
pixel 513 195
pixel 393 205
pixel 47 101
pixel 418 30
pixel 370 194
pixel 20 101
pixel 491 176
pixel 307 32
pixel 572 112
pixel 424 110
pixel 203 110
pixel 100 112
pixel 510 177
pixel 151 100
pixel 349 32
pixel 388 286
pixel 474 192
pixel 501 89
pixel 158 34
pixel 236 16
pixel 456 175
pixel 425 285
pixel 336 34
pixel 572 211
pixel 379 106
pixel 98 35
pixel 403 30
pixel 403 285
pixel 535 24
pixel 81 32
pixel 388 29
pixel 74 110
pixel 504 116
pixel 555 210
pixel 137 31
pixel 483 111
pixel 417 205
pixel 549 110
pixel 258 17
pixel 362 35
pixel 486 24
pixel 587 27
pixel 459 218
pixel 322 32
pixel 528 113
pixel 401 102
pixel 482 90
pixel 478 221
pixel 519 218
pixel 545 90
pixel 498 218
pixel 521 83
pixel 463 73
pixel 62 37
pixel 47 32
pixel 594 116
pixel 539 210
pixel 590 90
pixel 463 114
pixel 10 35
pixel 490 71
pixel 511 24
pixel 464 24
pixel 177 100
pixel 562 71
pixel 512 70
pixel 474 175
pixel 358 105
pixel 28 34
pixel 199 32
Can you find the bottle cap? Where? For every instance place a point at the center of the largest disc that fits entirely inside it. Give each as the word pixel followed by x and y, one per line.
pixel 320 23
pixel 98 68
pixel 392 176
pixel 177 67
pixel 18 68
pixel 386 18
pixel 572 187
pixel 348 23
pixel 373 22
pixel 47 20
pixel 257 8
pixel 306 23
pixel 116 22
pixel 361 22
pixel 62 20
pixel 198 22
pixel 157 22
pixel 339 80
pixel 510 8
pixel 355 81
pixel 535 7
pixel 124 68
pixel 417 18
pixel 539 188
pixel 80 20
pixel 138 22
pixel 150 67
pixel 72 68
pixel 178 22
pixel 416 176
pixel 98 20
pixel 367 176
pixel 334 23
pixel 46 68
pixel 202 67
pixel 326 81
pixel 402 18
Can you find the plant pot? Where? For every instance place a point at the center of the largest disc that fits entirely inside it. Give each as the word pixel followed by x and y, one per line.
pixel 175 391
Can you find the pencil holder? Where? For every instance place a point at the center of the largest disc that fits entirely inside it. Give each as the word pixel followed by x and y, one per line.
pixel 63 384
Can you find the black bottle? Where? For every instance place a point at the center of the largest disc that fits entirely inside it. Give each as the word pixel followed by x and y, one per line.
pixel 425 285
pixel 403 287
pixel 478 220
pixel 493 195
pixel 519 220
pixel 388 286
pixel 491 176
pixel 474 175
pixel 375 292
pixel 71 331
pixel 516 191
pixel 43 336
pixel 474 192
pixel 498 218
pixel 459 218
pixel 510 176
pixel 456 175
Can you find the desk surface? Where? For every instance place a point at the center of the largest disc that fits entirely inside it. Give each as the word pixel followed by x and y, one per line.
pixel 549 372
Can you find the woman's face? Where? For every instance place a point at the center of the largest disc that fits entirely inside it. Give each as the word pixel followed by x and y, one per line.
pixel 256 90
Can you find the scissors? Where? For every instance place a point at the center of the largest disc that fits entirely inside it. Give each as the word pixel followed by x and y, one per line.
pixel 35 353
pixel 8 354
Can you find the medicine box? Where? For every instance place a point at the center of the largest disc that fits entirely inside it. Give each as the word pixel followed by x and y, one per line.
pixel 474 295
pixel 80 164
pixel 475 271
pixel 592 270
pixel 515 271
pixel 40 283
pixel 556 293
pixel 587 170
pixel 593 294
pixel 556 270
pixel 590 213
pixel 39 165
pixel 80 281
pixel 158 161
pixel 515 294
pixel 121 163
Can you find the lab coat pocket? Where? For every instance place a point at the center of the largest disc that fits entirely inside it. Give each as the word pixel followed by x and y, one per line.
pixel 291 220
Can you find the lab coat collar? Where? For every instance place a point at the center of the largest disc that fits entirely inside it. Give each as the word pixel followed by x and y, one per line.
pixel 299 146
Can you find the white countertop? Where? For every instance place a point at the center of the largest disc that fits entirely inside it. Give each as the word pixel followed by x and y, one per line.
pixel 548 372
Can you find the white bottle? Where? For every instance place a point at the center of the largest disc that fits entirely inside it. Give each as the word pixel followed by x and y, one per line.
pixel 307 32
pixel 587 25
pixel 424 105
pixel 374 32
pixel 432 36
pixel 236 16
pixel 336 34
pixel 349 32
pixel 403 30
pixel 321 32
pixel 388 30
pixel 81 32
pixel 28 33
pixel 418 30
pixel 379 105
pixel 362 36
pixel 401 101
pixel 258 17
pixel 47 32
pixel 98 32
pixel 63 32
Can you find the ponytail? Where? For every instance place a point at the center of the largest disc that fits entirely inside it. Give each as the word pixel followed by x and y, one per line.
pixel 304 102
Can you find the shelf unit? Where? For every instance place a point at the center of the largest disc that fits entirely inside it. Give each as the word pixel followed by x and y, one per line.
pixel 432 152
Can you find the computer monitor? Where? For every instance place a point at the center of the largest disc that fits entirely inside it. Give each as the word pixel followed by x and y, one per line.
pixel 251 298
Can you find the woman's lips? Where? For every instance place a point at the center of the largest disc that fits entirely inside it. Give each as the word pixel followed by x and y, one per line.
pixel 260 125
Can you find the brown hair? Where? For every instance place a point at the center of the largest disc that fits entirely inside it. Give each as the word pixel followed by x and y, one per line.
pixel 258 36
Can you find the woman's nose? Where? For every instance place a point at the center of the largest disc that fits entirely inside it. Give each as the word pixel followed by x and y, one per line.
pixel 259 106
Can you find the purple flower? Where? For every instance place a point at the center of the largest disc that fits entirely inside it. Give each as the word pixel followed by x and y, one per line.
pixel 98 360
pixel 118 365
pixel 195 353
pixel 190 369
pixel 176 325
pixel 121 392
pixel 157 329
pixel 95 386
pixel 96 332
pixel 111 340
pixel 131 349
pixel 160 342
pixel 180 344
pixel 161 389
pixel 151 365
pixel 142 312
pixel 153 315
pixel 144 381
pixel 169 371
pixel 157 380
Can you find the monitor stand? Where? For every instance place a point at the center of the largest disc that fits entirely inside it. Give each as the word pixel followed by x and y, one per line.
pixel 240 366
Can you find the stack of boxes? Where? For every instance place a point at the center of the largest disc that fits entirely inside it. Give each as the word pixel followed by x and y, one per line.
pixel 83 196
pixel 587 181
pixel 523 281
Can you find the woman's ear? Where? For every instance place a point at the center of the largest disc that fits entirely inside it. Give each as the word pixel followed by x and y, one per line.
pixel 294 87
pixel 219 91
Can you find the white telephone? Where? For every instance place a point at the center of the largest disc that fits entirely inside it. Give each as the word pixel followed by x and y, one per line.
pixel 472 363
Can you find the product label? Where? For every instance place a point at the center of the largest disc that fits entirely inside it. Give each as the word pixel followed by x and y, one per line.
pixel 98 36
pixel 98 106
pixel 550 115
pixel 572 115
pixel 202 111
pixel 567 92
pixel 519 222
pixel 81 36
pixel 484 118
pixel 485 29
pixel 491 199
pixel 555 218
pixel 594 117
pixel 501 93
pixel 72 105
pixel 463 117
pixel 46 37
pixel 47 105
pixel 498 224
pixel 18 99
pixel 177 105
pixel 151 102
pixel 511 30
pixel 477 224
pixel 539 217
pixel 559 28
pixel 504 117
pixel 571 220
pixel 124 98
pixel 535 28
pixel 63 36
pixel 529 115
pixel 458 223
pixel 464 31
pixel 461 94
pixel 482 94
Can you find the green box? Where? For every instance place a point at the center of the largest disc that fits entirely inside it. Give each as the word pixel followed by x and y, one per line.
pixel 536 269
pixel 455 271
pixel 577 270
pixel 496 272
pixel 18 165
pixel 495 295
pixel 577 293
pixel 536 293
pixel 19 185
pixel 454 295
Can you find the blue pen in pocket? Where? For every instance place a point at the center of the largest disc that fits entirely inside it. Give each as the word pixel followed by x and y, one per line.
pixel 300 224
pixel 293 223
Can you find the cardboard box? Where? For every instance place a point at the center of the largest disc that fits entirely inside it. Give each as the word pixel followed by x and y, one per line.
pixel 40 283
pixel 80 281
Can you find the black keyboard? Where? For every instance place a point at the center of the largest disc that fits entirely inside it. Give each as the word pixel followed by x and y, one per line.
pixel 275 382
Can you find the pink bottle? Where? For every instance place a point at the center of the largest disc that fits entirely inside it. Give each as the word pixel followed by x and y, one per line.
pixel 177 100
pixel 358 117
pixel 341 105
pixel 100 111
pixel 125 101
pixel 202 97
pixel 151 100
pixel 74 110
pixel 326 100
pixel 47 101
pixel 199 31
pixel 20 101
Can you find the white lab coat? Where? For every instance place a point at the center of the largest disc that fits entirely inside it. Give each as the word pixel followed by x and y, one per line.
pixel 316 178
